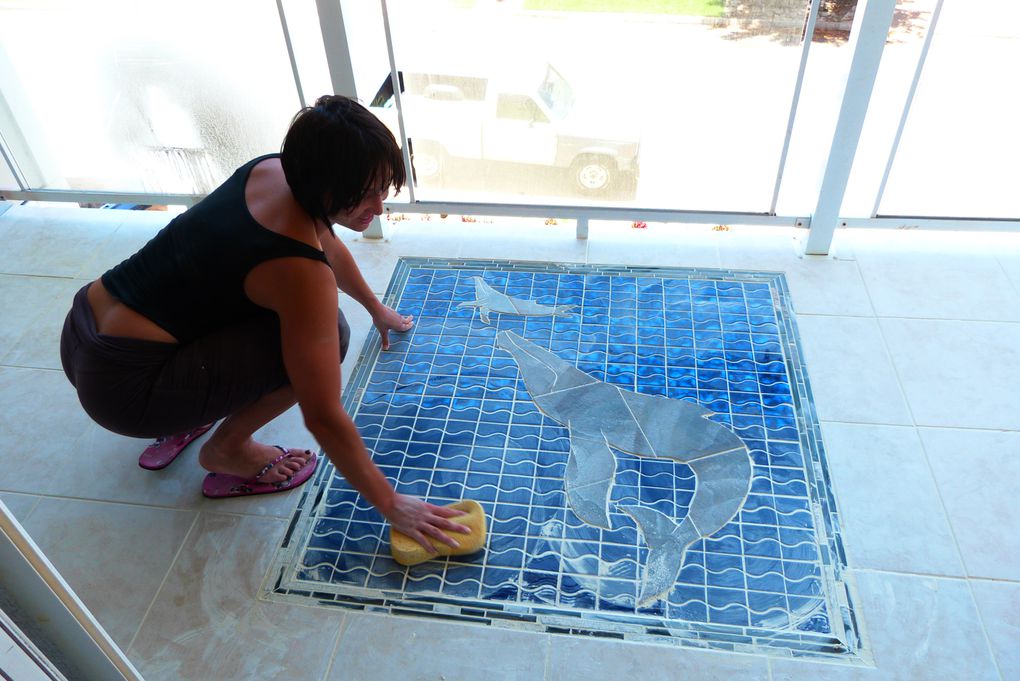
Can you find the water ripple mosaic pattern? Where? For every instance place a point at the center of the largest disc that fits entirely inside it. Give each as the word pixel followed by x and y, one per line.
pixel 643 443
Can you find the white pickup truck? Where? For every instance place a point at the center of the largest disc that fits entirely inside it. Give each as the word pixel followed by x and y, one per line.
pixel 527 116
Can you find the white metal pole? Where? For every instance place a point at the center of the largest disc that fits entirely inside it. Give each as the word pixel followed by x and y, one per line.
pixel 397 100
pixel 906 106
pixel 341 68
pixel 582 227
pixel 338 50
pixel 871 27
pixel 809 32
pixel 290 53
pixel 9 160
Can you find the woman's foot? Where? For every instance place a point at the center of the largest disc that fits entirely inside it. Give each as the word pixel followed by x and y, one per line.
pixel 165 449
pixel 247 460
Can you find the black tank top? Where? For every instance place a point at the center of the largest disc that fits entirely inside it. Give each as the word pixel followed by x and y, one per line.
pixel 189 279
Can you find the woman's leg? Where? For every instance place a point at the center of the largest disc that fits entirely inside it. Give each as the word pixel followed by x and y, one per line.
pixel 147 389
pixel 232 449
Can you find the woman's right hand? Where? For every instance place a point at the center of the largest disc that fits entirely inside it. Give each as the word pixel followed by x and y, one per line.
pixel 419 520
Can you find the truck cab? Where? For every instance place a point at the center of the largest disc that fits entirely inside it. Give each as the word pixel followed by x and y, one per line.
pixel 526 116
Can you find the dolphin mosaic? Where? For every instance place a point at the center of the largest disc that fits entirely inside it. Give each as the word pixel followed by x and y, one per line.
pixel 488 300
pixel 600 416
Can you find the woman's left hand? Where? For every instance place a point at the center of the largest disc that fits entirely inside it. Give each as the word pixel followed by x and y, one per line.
pixel 387 319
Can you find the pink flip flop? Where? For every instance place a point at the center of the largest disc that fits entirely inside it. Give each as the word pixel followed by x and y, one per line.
pixel 221 485
pixel 165 449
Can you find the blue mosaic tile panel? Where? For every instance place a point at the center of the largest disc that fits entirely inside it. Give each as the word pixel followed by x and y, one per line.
pixel 450 412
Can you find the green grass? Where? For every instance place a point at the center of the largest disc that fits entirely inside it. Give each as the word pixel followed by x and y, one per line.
pixel 698 8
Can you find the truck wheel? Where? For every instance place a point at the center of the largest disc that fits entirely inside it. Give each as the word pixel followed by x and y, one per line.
pixel 593 174
pixel 428 163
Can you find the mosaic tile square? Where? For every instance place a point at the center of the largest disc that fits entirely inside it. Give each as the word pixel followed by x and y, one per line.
pixel 643 442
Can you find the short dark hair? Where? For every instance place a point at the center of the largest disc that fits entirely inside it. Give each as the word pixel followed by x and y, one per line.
pixel 335 152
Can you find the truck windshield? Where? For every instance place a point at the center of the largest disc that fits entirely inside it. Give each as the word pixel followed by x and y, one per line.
pixel 557 94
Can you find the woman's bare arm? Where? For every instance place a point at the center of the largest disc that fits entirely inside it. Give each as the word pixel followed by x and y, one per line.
pixel 350 280
pixel 303 295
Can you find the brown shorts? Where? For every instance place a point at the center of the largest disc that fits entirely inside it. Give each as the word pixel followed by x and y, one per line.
pixel 143 388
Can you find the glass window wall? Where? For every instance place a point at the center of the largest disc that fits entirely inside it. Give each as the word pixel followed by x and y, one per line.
pixel 901 56
pixel 682 106
pixel 958 153
pixel 142 96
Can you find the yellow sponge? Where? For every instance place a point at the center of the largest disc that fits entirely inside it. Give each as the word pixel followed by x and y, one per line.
pixel 407 551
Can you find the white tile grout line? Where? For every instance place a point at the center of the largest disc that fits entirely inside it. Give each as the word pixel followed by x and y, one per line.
pixel 938 490
pixel 959 552
pixel 895 368
pixel 978 429
pixel 994 580
pixel 968 579
pixel 546 667
pixel 1014 283
pixel 340 631
pixel 33 505
pixel 162 583
pixel 31 275
pixel 29 367
pixel 152 507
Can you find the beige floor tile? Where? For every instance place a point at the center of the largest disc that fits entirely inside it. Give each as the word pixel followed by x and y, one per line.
pixel 40 420
pixel 978 475
pixel 919 628
pixel 890 509
pixel 415 236
pixel 842 245
pixel 852 377
pixel 947 287
pixel 1008 255
pixel 207 624
pixel 44 303
pixel 827 286
pixel 999 605
pixel 408 235
pixel 957 374
pixel 22 301
pixel 20 505
pixel 114 556
pixel 524 239
pixel 657 245
pixel 965 241
pixel 818 284
pixel 587 659
pixel 950 275
pixel 52 241
pixel 384 648
pixel 179 485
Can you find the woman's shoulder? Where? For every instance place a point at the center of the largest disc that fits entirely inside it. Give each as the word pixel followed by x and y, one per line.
pixel 272 204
